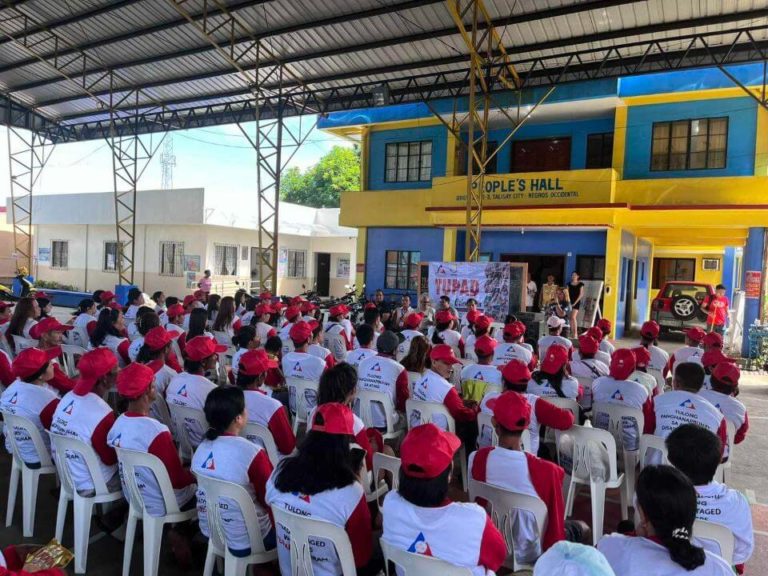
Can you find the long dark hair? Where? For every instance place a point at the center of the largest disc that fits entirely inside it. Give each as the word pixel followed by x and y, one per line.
pixel 105 326
pixel 43 302
pixel 336 384
pixel 147 355
pixel 146 319
pixel 83 306
pixel 24 310
pixel 424 492
pixel 323 462
pixel 668 500
pixel 222 406
pixel 244 336
pixel 439 327
pixel 556 380
pixel 213 306
pixel 226 314
pixel 198 320
pixel 417 359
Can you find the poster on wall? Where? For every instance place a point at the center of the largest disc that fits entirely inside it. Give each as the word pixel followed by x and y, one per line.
pixel 342 268
pixel 282 262
pixel 590 303
pixel 752 283
pixel 191 278
pixel 44 255
pixel 191 263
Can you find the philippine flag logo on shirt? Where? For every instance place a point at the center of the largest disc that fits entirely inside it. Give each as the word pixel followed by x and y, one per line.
pixel 297 367
pixel 209 463
pixel 617 396
pixel 479 376
pixel 14 398
pixel 116 441
pixel 420 546
pixel 183 391
pixel 69 407
pixel 376 367
pixel 303 497
pixel 688 404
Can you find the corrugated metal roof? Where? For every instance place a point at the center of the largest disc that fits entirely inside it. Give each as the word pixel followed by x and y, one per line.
pixel 330 44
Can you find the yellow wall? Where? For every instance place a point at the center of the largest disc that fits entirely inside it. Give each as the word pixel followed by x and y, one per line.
pixel 706 276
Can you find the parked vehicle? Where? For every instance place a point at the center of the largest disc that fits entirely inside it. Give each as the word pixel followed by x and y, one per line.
pixel 678 305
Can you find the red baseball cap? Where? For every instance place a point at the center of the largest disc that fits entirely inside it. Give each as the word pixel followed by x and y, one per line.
pixel 336 418
pixel 587 344
pixel 297 300
pixel 265 295
pixel 427 451
pixel 300 332
pixel 622 363
pixel 255 362
pixel 726 373
pixel 262 309
pixel 443 353
pixel 414 320
pixel 292 312
pixel 158 338
pixel 595 333
pixel 713 357
pixel 650 329
pixel 92 366
pixel 175 310
pixel 485 345
pixel 48 325
pixel 473 315
pixel 134 380
pixel 4 305
pixel 371 306
pixel 32 360
pixel 605 325
pixel 516 372
pixel 202 347
pixel 514 329
pixel 308 307
pixel 712 340
pixel 556 358
pixel 39 295
pixel 278 306
pixel 338 310
pixel 189 299
pixel 642 356
pixel 199 295
pixel 483 322
pixel 114 306
pixel 444 317
pixel 511 410
pixel 106 296
pixel 696 334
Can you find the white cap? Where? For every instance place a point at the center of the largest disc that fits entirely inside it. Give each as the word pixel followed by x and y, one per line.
pixel 570 559
pixel 555 322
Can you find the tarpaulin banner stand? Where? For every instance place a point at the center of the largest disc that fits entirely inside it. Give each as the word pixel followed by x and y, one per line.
pixel 590 304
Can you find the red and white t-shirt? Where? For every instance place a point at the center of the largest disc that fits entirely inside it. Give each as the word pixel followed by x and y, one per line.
pixel 607 346
pixel 600 356
pixel 302 366
pixel 507 351
pixel 659 359
pixel 730 508
pixel 405 346
pixel 546 341
pixel 323 353
pixel 382 374
pixel 608 390
pixel 679 407
pixel 190 390
pixel 119 347
pixel 335 335
pixel 144 434
pixel 264 332
pixel 237 460
pixel 459 533
pixel 453 339
pixel 343 507
pixel 89 419
pixel 685 354
pixel 270 413
pixel 163 376
pixel 570 388
pixel 432 387
pixel 733 410
pixel 35 403
pixel 356 356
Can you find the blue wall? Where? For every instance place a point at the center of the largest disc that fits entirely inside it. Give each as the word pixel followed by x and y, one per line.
pixel 742 118
pixel 428 240
pixel 753 261
pixel 729 271
pixel 378 145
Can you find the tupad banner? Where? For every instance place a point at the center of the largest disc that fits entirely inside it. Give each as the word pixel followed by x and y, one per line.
pixel 486 282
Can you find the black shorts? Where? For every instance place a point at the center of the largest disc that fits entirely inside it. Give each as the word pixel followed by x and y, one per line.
pixel 576 306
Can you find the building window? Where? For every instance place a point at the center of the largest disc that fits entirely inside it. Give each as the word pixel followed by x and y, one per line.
pixel 491 167
pixel 297 264
pixel 111 254
pixel 541 155
pixel 408 162
pixel 698 144
pixel 60 254
pixel 591 267
pixel 402 270
pixel 673 269
pixel 226 259
pixel 171 258
pixel 600 150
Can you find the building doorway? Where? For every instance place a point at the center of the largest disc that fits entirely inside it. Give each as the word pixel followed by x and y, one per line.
pixel 323 273
pixel 540 266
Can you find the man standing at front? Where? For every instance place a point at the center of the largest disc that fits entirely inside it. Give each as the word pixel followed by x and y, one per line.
pixel 530 294
pixel 716 307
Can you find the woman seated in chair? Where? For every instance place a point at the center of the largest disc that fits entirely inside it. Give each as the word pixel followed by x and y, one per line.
pixel 421 519
pixel 553 379
pixel 155 353
pixel 225 455
pixel 109 332
pixel 25 315
pixel 321 481
pixel 49 334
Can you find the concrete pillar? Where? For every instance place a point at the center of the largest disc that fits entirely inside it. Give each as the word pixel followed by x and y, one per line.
pixel 729 271
pixel 754 260
pixel 449 244
pixel 612 273
pixel 360 257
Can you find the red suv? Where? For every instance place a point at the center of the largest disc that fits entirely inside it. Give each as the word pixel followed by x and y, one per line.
pixel 678 305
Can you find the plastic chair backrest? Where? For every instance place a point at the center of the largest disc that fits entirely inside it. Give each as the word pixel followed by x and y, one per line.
pixel 253 430
pixel 69 351
pixel 420 412
pixel 366 398
pixel 79 337
pixel 302 529
pixel 413 377
pixel 304 392
pixel 483 422
pixel 651 442
pixel 336 344
pixel 566 404
pixel 13 422
pixel 584 437
pixel 660 380
pixel 586 384
pixel 730 429
pixel 616 416
pixel 21 343
pixel 64 444
pixel 500 504
pixel 497 330
pixel 716 533
pixel 132 459
pixel 181 416
pixel 222 338
pixel 469 354
pixel 216 490
pixel 391 464
pixel 411 564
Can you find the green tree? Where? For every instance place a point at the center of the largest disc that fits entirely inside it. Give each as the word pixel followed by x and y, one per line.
pixel 322 184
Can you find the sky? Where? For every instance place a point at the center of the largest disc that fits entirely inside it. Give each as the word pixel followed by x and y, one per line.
pixel 218 159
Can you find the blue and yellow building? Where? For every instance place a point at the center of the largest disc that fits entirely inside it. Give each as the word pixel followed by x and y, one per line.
pixel 634 181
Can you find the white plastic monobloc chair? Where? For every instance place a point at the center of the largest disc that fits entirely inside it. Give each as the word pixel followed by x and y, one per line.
pixel 413 377
pixel 552 436
pixel 586 385
pixel 618 417
pixel 716 538
pixel 501 504
pixel 390 464
pixel 83 505
pixel 661 382
pixel 373 490
pixel 188 422
pixel 220 494
pixel 69 354
pixel 484 421
pixel 304 399
pixel 130 460
pixel 261 435
pixel 419 412
pixel 651 442
pixel 337 345
pixel 591 449
pixel 30 477
pixel 301 530
pixel 417 564
pixel 723 470
pixel 21 343
pixel 364 409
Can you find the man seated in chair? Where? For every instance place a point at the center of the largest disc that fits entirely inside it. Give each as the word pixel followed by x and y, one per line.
pixel 508 467
pixel 382 373
pixel 482 377
pixel 695 451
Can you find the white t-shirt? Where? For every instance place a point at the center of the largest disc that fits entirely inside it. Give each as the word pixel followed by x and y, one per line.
pixel 608 390
pixel 405 346
pixel 485 377
pixel 507 351
pixel 432 387
pixel 678 407
pixel 659 358
pixel 356 356
pixel 189 390
pixel 302 366
pixel 380 374
pixel 600 356
pixel 687 354
pixel 28 400
pixel 546 341
pixel 733 410
pixel 570 388
pixel 635 556
pixel 721 505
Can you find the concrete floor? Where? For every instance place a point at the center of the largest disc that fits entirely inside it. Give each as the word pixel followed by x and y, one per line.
pixel 748 475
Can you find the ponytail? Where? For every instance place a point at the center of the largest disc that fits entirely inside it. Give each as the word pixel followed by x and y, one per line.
pixel 681 549
pixel 222 406
pixel 439 327
pixel 146 354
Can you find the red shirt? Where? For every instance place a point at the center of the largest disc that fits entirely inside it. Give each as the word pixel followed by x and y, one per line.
pixel 717 307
